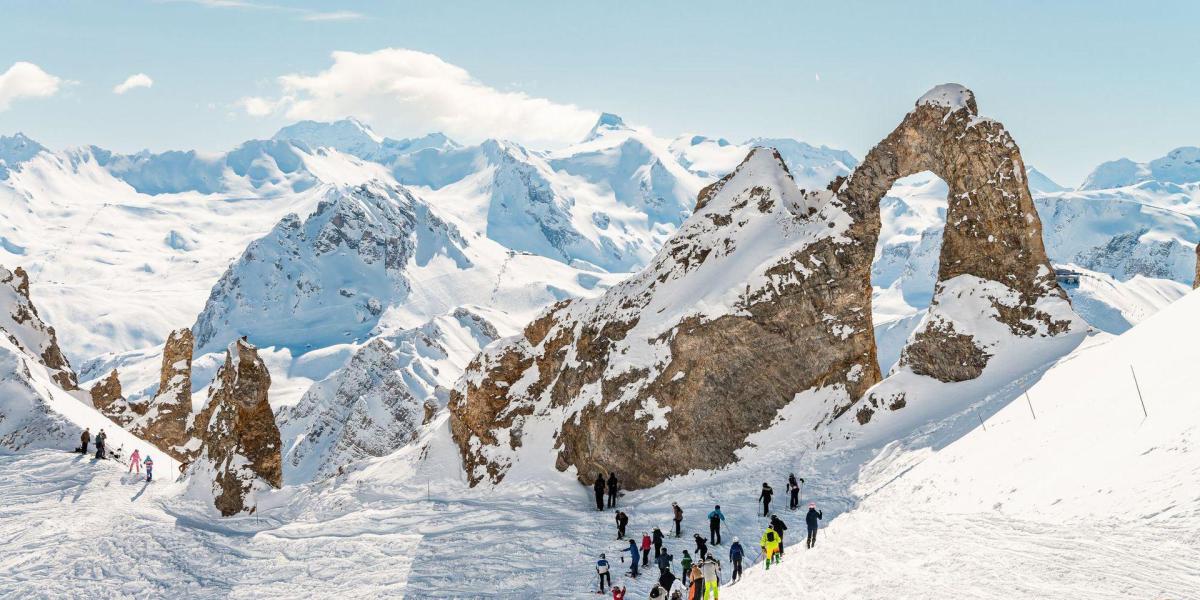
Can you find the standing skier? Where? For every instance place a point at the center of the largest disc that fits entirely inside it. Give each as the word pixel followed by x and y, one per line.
pixel 135 461
pixel 701 547
pixel 710 569
pixel 84 438
pixel 598 487
pixel 602 569
pixel 665 577
pixel 678 513
pixel 735 556
pixel 696 590
pixel 657 538
pixel 770 546
pixel 778 525
pixel 645 548
pixel 100 437
pixel 149 469
pixel 715 516
pixel 765 497
pixel 633 553
pixel 622 521
pixel 812 519
pixel 685 564
pixel 613 486
pixel 793 489
pixel 663 561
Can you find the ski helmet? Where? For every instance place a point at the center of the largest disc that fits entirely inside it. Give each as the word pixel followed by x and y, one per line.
pixel 812 504
pixel 735 540
pixel 717 507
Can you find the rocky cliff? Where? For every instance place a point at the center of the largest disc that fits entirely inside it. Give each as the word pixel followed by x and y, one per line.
pixel 108 398
pixel 21 324
pixel 240 447
pixel 763 293
pixel 166 420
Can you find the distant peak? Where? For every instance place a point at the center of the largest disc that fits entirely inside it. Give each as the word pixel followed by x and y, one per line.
pixel 606 122
pixel 342 130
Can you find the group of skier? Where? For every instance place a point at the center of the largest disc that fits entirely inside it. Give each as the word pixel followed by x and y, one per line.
pixel 701 576
pixel 136 464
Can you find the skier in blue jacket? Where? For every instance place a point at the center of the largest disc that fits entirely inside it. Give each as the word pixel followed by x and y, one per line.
pixel 714 525
pixel 633 553
pixel 602 570
pixel 735 556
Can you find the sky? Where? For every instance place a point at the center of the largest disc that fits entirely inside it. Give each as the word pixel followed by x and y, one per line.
pixel 1077 83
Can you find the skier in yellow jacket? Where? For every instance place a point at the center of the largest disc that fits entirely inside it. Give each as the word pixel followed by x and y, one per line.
pixel 770 546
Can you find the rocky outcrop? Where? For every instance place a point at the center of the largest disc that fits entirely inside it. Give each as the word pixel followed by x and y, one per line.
pixel 764 293
pixel 240 445
pixel 108 399
pixel 21 324
pixel 993 231
pixel 1196 281
pixel 166 421
pixel 748 304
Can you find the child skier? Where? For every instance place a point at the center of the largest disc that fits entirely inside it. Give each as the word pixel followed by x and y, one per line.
pixel 602 570
pixel 149 469
pixel 135 462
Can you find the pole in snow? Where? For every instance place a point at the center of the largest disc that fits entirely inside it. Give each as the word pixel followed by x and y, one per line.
pixel 981 421
pixel 1030 406
pixel 1139 391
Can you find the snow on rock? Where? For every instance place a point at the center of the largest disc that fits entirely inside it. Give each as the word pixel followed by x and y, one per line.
pixel 24 328
pixel 379 401
pixel 813 167
pixel 239 455
pixel 325 279
pixel 951 96
pixel 597 383
pixel 107 398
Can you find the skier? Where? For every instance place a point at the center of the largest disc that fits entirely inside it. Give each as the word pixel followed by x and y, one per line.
pixel 633 552
pixel 645 548
pixel 100 437
pixel 598 487
pixel 618 593
pixel 612 490
pixel 657 537
pixel 770 546
pixel 665 577
pixel 685 564
pixel 778 525
pixel 715 516
pixel 765 496
pixel 149 469
pixel 602 569
pixel 135 462
pixel 812 520
pixel 710 569
pixel 84 438
pixel 735 556
pixel 658 593
pixel 678 516
pixel 701 547
pixel 622 521
pixel 696 590
pixel 793 489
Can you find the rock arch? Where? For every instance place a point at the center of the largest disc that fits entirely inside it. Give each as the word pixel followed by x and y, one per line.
pixel 992 230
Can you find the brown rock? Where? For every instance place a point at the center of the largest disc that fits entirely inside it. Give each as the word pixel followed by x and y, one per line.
pixel 1196 279
pixel 240 445
pixel 25 328
pixel 166 422
pixel 108 399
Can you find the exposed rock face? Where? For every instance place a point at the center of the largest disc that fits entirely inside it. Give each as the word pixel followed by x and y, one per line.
pixel 764 293
pixel 108 399
pixel 993 231
pixel 1196 281
pixel 240 446
pixel 748 304
pixel 20 323
pixel 166 418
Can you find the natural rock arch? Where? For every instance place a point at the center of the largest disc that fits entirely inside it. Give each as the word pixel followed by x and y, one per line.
pixel 992 229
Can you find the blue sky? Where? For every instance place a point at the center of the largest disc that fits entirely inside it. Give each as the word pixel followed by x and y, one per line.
pixel 1078 83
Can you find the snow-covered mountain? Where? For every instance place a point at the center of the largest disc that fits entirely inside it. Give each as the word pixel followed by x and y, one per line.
pixel 1181 165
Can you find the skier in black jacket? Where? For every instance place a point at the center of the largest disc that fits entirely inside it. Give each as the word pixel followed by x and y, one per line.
pixel 612 490
pixel 812 519
pixel 765 497
pixel 778 525
pixel 793 489
pixel 678 515
pixel 701 547
pixel 622 521
pixel 598 487
pixel 100 437
pixel 656 537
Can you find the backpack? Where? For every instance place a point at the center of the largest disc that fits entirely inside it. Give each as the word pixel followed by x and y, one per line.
pixel 771 536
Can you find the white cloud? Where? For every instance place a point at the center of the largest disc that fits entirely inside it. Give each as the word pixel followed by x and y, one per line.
pixel 26 80
pixel 304 14
pixel 405 92
pixel 137 80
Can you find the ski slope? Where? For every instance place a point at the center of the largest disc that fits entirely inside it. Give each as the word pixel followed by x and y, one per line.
pixel 1092 498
